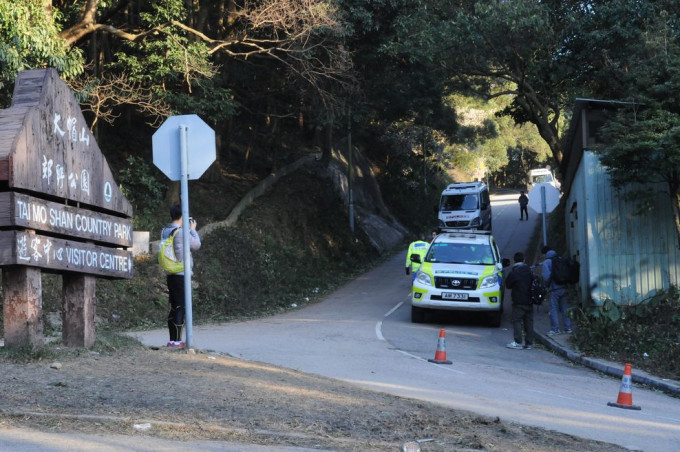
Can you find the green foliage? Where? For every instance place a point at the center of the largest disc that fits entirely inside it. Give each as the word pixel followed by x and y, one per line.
pixel 141 186
pixel 409 186
pixel 400 82
pixel 486 139
pixel 291 246
pixel 640 143
pixel 208 100
pixel 141 302
pixel 646 335
pixel 29 40
pixel 27 354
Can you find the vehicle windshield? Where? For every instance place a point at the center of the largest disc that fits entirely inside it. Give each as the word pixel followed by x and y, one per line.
pixel 542 178
pixel 460 253
pixel 459 202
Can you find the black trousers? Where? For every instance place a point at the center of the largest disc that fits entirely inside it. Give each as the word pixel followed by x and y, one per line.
pixel 523 212
pixel 523 322
pixel 176 315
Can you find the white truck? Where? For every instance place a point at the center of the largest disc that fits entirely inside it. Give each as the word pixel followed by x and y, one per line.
pixel 542 175
pixel 465 206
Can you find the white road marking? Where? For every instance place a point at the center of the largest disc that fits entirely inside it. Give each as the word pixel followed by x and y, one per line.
pixel 394 309
pixel 378 326
pixel 378 331
pixel 379 335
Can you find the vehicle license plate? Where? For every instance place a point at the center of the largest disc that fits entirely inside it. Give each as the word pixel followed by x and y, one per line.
pixel 454 296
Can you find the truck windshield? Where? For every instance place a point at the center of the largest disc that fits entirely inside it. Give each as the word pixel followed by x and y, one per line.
pixel 459 202
pixel 541 178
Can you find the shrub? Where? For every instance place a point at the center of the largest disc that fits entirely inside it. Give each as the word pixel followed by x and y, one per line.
pixel 646 334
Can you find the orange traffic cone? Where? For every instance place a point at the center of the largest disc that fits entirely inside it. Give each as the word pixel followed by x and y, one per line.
pixel 440 354
pixel 625 399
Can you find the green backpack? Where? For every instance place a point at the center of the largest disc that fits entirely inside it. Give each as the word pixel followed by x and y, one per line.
pixel 166 255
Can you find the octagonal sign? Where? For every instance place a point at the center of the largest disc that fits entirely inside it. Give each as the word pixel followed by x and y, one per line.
pixel 166 143
pixel 552 197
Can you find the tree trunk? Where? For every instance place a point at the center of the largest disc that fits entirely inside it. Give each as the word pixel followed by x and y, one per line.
pixel 674 189
pixel 231 12
pixel 327 147
pixel 172 196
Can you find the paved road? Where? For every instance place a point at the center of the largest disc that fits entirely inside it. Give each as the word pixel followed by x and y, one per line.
pixel 362 334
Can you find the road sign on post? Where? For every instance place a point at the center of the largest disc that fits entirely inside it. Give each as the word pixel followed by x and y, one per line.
pixel 166 146
pixel 183 148
pixel 543 199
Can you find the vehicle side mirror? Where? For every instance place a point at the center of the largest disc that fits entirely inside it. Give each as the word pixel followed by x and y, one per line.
pixel 415 258
pixel 506 262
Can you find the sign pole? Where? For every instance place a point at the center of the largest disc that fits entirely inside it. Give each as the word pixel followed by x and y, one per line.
pixel 350 169
pixel 184 160
pixel 543 209
pixel 186 235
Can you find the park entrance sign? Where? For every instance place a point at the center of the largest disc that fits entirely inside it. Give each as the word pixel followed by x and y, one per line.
pixel 60 211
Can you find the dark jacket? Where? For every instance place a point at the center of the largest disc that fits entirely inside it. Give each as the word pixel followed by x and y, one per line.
pixel 546 272
pixel 523 200
pixel 519 281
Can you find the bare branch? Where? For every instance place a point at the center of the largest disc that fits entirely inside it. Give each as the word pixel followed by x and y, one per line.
pixel 104 94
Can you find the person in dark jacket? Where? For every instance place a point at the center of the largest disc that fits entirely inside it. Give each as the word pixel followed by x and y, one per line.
pixel 519 281
pixel 558 295
pixel 523 203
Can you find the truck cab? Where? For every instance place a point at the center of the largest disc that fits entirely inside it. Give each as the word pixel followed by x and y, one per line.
pixel 542 175
pixel 465 206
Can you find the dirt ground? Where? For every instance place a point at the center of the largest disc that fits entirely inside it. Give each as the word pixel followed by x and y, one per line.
pixel 206 396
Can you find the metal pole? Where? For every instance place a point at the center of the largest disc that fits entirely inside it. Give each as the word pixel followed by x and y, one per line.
pixel 545 228
pixel 349 172
pixel 424 162
pixel 186 235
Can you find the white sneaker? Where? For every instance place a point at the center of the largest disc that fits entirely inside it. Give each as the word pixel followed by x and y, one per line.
pixel 553 332
pixel 514 345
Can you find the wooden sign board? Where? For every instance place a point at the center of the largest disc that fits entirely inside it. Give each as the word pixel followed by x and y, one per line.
pixel 61 255
pixel 60 211
pixel 47 148
pixel 18 209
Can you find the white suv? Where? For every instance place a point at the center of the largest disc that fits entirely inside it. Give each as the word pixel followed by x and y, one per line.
pixel 462 271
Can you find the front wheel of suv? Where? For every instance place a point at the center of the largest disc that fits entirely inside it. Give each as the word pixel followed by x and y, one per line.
pixel 417 315
pixel 495 319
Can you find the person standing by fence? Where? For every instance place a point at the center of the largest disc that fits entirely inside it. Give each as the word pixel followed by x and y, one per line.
pixel 557 293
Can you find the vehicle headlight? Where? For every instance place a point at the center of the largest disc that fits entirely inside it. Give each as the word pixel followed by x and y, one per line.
pixel 489 281
pixel 440 223
pixel 475 222
pixel 424 278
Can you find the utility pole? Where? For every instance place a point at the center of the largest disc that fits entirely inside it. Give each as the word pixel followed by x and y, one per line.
pixel 350 168
pixel 424 162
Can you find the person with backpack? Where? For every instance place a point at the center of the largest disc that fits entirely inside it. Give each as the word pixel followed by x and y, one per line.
pixel 523 203
pixel 557 290
pixel 175 277
pixel 519 281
